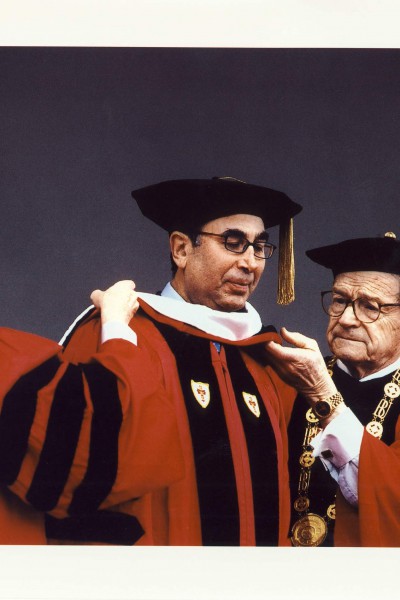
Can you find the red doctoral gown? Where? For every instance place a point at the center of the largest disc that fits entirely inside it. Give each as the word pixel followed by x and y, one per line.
pixel 108 428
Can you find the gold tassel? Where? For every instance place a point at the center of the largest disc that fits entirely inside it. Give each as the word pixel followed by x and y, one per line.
pixel 286 263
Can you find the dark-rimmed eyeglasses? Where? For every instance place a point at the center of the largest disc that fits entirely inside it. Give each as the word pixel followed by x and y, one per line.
pixel 365 310
pixel 238 243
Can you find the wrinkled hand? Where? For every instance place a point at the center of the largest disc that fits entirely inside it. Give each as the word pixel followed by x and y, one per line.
pixel 301 366
pixel 118 303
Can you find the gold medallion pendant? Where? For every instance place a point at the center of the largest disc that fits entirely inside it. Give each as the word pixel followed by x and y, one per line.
pixel 310 530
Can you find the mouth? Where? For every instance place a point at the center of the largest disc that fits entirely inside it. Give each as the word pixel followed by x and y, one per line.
pixel 347 339
pixel 239 285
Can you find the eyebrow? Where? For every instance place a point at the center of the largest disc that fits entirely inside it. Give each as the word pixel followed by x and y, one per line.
pixel 263 235
pixel 346 294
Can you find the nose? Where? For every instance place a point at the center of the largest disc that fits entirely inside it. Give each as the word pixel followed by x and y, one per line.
pixel 248 261
pixel 348 317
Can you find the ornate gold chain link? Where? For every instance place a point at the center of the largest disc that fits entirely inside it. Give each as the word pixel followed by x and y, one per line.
pixel 391 392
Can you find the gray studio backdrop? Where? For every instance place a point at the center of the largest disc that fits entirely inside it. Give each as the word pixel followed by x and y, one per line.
pixel 81 127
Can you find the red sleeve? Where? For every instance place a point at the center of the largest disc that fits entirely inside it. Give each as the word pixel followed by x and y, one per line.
pixel 376 521
pixel 379 492
pixel 76 435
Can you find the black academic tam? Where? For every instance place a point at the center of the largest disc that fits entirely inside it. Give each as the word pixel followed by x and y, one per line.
pixel 187 204
pixel 360 254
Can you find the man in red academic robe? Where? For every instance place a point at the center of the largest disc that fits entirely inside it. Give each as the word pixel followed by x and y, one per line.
pixel 174 432
pixel 354 423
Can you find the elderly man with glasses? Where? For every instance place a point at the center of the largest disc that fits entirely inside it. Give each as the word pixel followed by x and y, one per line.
pixel 201 457
pixel 345 428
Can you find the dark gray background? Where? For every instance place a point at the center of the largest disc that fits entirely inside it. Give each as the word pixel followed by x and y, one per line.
pixel 81 127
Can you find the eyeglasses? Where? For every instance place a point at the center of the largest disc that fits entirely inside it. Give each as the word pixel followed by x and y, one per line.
pixel 238 243
pixel 365 310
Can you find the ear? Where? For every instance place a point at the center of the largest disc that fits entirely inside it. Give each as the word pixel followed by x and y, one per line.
pixel 181 246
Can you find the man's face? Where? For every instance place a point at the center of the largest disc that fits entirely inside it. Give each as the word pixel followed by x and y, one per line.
pixel 215 277
pixel 366 347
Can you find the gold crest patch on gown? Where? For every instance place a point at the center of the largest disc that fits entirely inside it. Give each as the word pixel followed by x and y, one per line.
pixel 252 403
pixel 201 392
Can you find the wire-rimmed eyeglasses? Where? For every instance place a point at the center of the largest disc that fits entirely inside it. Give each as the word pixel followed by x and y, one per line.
pixel 238 243
pixel 365 310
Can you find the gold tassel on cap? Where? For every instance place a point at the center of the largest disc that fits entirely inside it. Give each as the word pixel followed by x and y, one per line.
pixel 286 263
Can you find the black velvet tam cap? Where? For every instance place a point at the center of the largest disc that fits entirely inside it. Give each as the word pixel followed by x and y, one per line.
pixel 187 204
pixel 360 254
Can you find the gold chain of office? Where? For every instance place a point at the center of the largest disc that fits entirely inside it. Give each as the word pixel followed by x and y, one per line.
pixel 311 529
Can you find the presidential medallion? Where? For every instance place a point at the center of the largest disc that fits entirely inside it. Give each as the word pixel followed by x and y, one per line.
pixel 310 530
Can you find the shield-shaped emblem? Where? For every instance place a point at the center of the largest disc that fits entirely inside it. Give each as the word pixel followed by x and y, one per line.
pixel 252 403
pixel 201 392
